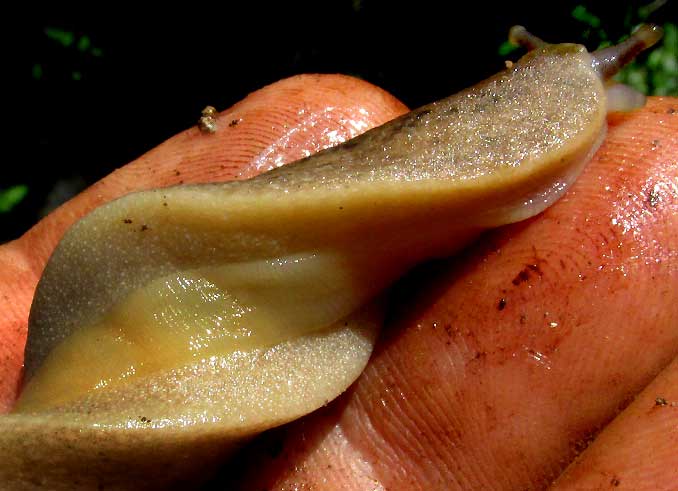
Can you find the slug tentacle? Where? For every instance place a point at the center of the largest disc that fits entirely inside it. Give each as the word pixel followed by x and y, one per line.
pixel 608 61
pixel 522 37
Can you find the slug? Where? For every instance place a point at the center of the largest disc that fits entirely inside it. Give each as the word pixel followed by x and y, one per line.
pixel 171 325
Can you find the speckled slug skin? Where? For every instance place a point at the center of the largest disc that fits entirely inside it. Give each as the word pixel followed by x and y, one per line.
pixel 171 324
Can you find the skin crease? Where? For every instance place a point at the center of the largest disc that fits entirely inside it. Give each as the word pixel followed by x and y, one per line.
pixel 633 449
pixel 468 414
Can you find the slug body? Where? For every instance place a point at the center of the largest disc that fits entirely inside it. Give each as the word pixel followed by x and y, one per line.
pixel 193 317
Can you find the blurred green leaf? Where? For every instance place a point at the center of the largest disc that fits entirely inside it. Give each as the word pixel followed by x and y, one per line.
pixel 670 64
pixel 37 71
pixel 583 15
pixel 84 43
pixel 506 48
pixel 671 38
pixel 654 59
pixel 12 196
pixel 653 73
pixel 66 38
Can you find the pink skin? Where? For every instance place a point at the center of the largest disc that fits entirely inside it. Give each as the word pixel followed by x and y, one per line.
pixel 638 449
pixel 469 391
pixel 465 391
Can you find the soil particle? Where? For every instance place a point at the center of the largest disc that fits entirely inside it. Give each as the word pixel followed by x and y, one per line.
pixel 660 401
pixel 502 304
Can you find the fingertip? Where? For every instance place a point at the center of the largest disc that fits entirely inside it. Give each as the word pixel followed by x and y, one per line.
pixel 301 115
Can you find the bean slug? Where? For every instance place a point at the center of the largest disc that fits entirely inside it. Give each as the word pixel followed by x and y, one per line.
pixel 171 325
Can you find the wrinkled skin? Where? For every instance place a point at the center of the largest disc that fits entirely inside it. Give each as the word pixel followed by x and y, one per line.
pixel 548 340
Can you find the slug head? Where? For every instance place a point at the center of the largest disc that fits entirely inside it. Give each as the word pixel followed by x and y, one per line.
pixel 607 62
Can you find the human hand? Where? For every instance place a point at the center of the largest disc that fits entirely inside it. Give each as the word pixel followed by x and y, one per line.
pixel 464 389
pixel 501 366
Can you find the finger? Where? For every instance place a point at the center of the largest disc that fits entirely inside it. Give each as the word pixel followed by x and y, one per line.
pixel 500 369
pixel 16 291
pixel 638 450
pixel 275 125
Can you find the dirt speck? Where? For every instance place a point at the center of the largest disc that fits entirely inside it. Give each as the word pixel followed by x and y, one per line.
pixel 207 125
pixel 526 273
pixel 502 304
pixel 127 221
pixel 208 120
pixel 661 401
pixel 521 277
pixel 580 445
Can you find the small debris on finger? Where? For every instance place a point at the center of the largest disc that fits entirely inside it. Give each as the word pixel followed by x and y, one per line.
pixel 208 120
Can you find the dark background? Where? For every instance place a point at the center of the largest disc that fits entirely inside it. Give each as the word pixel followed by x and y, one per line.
pixel 77 111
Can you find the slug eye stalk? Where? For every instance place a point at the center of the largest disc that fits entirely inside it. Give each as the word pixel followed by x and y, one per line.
pixel 522 37
pixel 606 61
